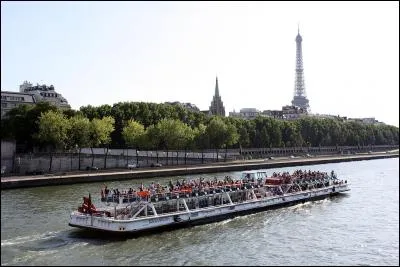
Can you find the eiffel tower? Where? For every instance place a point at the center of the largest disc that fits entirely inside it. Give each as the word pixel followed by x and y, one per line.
pixel 300 98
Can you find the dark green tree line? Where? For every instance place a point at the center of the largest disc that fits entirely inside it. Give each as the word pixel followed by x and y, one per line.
pixel 166 126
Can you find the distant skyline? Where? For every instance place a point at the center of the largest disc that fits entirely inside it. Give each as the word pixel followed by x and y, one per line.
pixel 97 53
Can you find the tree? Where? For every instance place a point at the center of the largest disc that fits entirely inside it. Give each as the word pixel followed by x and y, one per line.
pixel 100 132
pixel 79 134
pixel 14 126
pixel 90 112
pixel 264 137
pixel 200 137
pixel 216 131
pixel 231 136
pixel 133 133
pixel 173 134
pixel 221 133
pixel 22 125
pixel 275 133
pixel 244 138
pixel 53 129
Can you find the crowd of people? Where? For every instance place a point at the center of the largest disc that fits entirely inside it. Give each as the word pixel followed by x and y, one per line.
pixel 201 185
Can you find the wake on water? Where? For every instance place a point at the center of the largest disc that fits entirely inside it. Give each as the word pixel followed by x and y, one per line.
pixel 43 241
pixel 31 238
pixel 300 207
pixel 52 239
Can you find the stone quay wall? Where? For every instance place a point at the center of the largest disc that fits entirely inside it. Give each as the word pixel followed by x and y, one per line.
pixel 21 164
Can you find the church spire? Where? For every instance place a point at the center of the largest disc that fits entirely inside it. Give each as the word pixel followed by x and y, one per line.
pixel 216 87
pixel 217 106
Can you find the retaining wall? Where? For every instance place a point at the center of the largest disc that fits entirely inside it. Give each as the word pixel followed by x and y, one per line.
pixel 18 182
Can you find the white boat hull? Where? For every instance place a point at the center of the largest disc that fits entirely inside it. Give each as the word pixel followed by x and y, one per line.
pixel 199 215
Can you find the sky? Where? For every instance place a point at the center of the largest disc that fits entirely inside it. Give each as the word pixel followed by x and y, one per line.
pixel 97 53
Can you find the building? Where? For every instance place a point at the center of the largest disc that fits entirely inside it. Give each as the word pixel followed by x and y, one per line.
pixel 10 100
pixel 44 93
pixel 293 112
pixel 276 114
pixel 217 107
pixel 300 98
pixel 365 120
pixel 245 113
pixel 287 113
pixel 327 116
pixel 29 94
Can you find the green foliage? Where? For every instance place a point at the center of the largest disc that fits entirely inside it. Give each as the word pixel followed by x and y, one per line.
pixel 231 134
pixel 53 129
pixel 244 137
pixel 14 126
pixel 216 132
pixel 170 134
pixel 100 131
pixel 169 126
pixel 79 132
pixel 133 133
pixel 201 139
pixel 221 133
pixel 22 125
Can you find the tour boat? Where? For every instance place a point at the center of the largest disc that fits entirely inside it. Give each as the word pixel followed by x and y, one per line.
pixel 201 201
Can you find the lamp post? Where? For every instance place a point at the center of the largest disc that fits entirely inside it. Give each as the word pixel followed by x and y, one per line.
pixel 127 156
pixel 226 151
pixel 108 152
pixel 137 157
pixel 164 156
pixel 185 155
pixel 79 157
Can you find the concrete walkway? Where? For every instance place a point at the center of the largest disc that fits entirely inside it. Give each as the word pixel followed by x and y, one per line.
pixel 123 174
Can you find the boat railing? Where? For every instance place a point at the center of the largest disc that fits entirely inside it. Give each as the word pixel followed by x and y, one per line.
pixel 123 198
pixel 187 192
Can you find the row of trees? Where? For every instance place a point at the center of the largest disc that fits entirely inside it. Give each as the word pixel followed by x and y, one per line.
pixel 166 126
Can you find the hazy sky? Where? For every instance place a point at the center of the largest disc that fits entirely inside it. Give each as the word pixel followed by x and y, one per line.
pixel 107 52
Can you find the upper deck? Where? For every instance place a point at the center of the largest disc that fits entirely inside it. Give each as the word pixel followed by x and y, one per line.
pixel 252 176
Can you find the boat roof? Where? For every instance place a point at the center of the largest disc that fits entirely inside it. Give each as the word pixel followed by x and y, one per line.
pixel 254 171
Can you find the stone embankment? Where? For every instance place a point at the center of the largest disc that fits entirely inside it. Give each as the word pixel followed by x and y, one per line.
pixel 119 174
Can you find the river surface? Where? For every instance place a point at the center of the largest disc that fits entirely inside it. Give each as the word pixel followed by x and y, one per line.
pixel 358 228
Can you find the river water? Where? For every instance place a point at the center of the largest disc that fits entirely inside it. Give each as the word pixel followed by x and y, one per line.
pixel 359 228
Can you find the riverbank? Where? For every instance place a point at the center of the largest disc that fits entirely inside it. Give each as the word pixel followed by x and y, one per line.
pixel 123 174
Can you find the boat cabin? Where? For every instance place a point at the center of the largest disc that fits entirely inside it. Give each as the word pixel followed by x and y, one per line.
pixel 252 176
